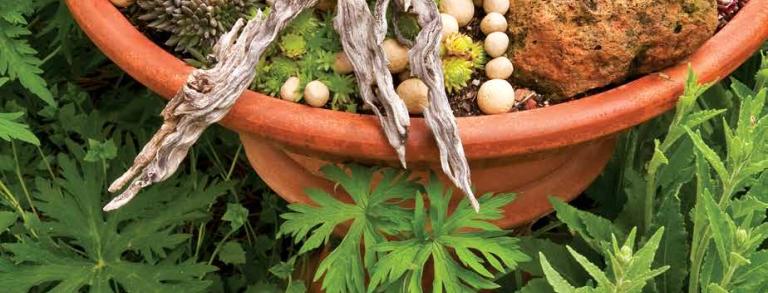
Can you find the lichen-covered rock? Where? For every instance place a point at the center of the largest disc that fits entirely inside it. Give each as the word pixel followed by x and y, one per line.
pixel 567 47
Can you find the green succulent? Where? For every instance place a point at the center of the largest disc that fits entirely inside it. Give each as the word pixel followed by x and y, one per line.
pixel 293 45
pixel 461 45
pixel 194 25
pixel 461 56
pixel 457 71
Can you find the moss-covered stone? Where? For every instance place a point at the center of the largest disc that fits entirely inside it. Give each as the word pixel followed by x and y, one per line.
pixel 567 47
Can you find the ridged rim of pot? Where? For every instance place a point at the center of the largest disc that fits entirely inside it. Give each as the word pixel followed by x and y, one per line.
pixel 350 135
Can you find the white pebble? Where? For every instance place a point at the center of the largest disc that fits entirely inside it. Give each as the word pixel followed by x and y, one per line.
pixel 450 25
pixel 462 10
pixel 414 94
pixel 499 68
pixel 397 55
pixel 500 6
pixel 493 22
pixel 496 44
pixel 496 96
pixel 290 90
pixel 316 94
pixel 341 63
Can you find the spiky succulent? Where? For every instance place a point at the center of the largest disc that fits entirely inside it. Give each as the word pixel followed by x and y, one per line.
pixel 194 25
pixel 457 73
pixel 293 46
pixel 461 56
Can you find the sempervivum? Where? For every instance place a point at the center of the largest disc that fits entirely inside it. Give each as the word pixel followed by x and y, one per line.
pixel 194 25
pixel 727 9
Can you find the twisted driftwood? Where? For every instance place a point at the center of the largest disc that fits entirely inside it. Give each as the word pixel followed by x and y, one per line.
pixel 210 93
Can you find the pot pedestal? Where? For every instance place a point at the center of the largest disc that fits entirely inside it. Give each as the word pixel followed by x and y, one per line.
pixel 564 172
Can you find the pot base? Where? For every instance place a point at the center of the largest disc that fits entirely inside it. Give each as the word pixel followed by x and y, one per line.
pixel 564 172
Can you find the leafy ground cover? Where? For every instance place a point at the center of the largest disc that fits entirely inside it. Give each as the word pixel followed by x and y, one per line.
pixel 682 206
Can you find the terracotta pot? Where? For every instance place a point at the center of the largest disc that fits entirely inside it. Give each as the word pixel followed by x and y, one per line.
pixel 557 150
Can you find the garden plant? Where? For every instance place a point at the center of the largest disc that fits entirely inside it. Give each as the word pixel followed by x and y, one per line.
pixel 680 207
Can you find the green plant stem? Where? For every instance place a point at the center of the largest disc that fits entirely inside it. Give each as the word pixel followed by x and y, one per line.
pixel 21 180
pixel 729 274
pixel 650 197
pixel 47 164
pixel 697 257
pixel 699 246
pixel 221 244
pixel 17 206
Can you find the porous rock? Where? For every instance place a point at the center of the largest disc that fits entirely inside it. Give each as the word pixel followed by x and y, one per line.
pixel 567 47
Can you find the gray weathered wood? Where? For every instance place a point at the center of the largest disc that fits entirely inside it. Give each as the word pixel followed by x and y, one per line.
pixel 205 98
pixel 426 65
pixel 210 93
pixel 362 36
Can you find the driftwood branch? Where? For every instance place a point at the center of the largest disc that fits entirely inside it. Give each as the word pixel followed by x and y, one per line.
pixel 426 65
pixel 210 93
pixel 205 98
pixel 362 36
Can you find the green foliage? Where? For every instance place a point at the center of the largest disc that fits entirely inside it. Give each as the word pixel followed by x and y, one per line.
pixel 74 245
pixel 630 271
pixel 705 183
pixel 10 129
pixel 18 60
pixel 306 49
pixel 392 245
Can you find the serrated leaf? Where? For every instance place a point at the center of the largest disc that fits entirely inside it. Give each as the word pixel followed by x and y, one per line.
pixel 97 250
pixel 10 129
pixel 673 250
pixel 343 269
pixel 18 61
pixel 592 269
pixel 476 253
pixel 232 253
pixel 721 225
pixel 558 283
pixel 712 158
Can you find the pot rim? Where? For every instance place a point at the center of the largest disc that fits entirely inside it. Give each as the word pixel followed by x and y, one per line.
pixel 348 135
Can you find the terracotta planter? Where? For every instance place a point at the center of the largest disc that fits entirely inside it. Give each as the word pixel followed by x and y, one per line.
pixel 557 150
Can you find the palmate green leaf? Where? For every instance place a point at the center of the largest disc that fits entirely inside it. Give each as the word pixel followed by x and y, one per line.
pixel 368 215
pixel 79 246
pixel 11 130
pixel 673 250
pixel 477 253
